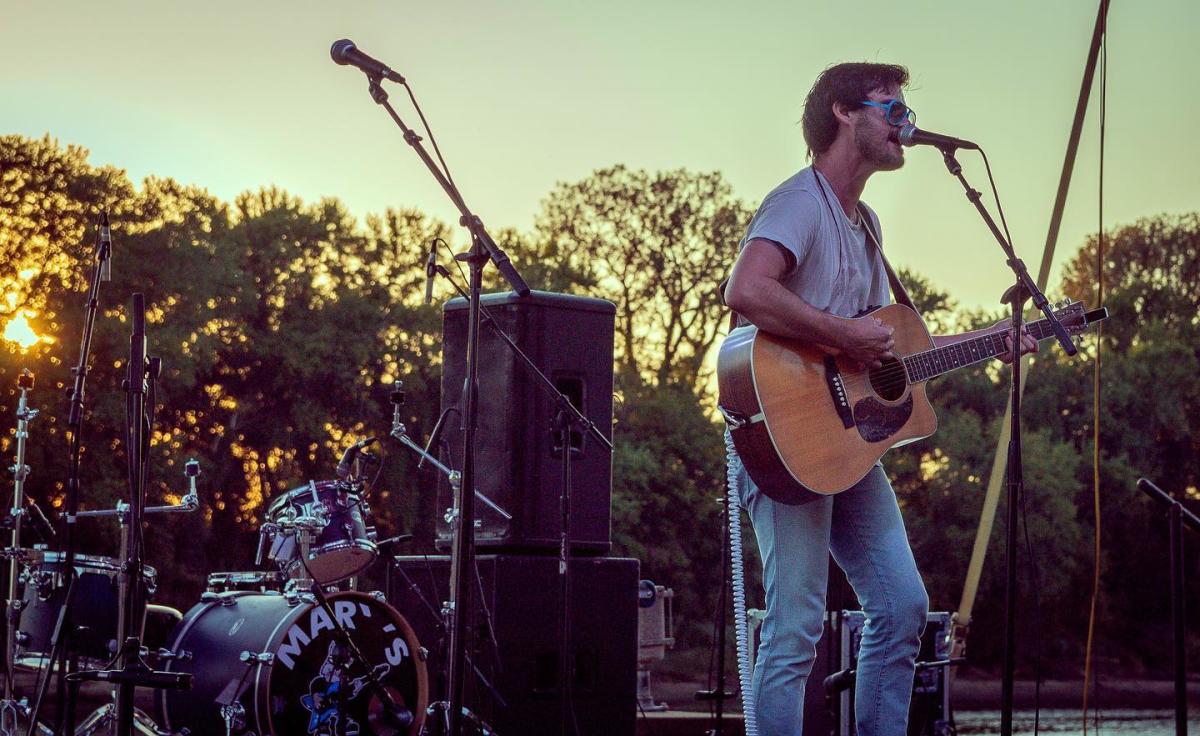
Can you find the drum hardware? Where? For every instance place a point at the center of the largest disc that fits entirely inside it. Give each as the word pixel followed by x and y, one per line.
pixel 234 715
pixel 250 657
pixel 140 386
pixel 319 532
pixel 190 502
pixel 400 432
pixel 101 720
pixel 473 725
pixel 10 707
pixel 441 709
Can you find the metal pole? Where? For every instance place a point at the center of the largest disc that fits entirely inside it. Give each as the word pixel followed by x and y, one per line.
pixel 1179 658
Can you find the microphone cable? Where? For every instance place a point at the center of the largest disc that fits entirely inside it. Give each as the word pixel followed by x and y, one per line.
pixel 429 132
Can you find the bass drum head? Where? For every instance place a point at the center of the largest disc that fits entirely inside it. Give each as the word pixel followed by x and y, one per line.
pixel 303 690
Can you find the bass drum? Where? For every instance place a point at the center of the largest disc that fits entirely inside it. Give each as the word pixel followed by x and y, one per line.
pixel 274 662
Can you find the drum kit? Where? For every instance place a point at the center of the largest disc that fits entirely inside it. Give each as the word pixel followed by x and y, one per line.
pixel 293 649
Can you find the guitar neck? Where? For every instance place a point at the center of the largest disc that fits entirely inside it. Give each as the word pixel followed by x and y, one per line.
pixel 932 363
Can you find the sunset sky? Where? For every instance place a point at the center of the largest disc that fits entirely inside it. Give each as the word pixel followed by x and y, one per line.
pixel 234 96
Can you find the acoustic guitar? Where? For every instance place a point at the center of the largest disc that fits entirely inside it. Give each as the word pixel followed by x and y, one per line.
pixel 807 423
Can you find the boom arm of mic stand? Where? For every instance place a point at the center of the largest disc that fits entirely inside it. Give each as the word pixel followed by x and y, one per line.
pixel 1016 264
pixel 467 219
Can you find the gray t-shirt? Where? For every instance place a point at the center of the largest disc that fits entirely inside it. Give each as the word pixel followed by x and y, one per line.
pixel 833 266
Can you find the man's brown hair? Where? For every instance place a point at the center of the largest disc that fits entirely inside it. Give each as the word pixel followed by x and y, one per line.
pixel 849 84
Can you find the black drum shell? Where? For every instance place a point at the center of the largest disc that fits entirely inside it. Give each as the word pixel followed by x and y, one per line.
pixel 216 633
pixel 96 606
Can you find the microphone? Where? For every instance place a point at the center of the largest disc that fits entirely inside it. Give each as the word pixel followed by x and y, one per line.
pixel 911 135
pixel 105 247
pixel 430 271
pixel 343 467
pixel 45 528
pixel 345 52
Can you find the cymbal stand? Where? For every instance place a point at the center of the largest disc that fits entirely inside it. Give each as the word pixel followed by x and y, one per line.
pixel 102 717
pixel 10 708
pixel 187 504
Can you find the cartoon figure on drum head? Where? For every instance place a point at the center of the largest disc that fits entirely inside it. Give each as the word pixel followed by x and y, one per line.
pixel 323 693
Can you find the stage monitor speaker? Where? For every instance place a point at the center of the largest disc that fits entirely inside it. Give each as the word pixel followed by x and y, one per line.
pixel 512 678
pixel 518 456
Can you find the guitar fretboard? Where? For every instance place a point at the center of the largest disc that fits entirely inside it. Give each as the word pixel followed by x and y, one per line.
pixel 931 363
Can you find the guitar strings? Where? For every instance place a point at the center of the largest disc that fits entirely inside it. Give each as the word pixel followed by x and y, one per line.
pixel 899 368
pixel 896 373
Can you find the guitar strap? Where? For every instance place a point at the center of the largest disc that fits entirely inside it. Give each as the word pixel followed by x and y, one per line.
pixel 898 290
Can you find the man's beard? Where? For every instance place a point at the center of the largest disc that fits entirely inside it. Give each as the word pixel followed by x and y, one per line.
pixel 882 154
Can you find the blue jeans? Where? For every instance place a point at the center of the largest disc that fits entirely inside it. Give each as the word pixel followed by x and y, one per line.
pixel 863 530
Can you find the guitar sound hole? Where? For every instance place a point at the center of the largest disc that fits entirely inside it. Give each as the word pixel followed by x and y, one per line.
pixel 889 380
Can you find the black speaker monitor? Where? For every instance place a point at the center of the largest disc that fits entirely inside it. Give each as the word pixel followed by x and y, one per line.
pixel 518 457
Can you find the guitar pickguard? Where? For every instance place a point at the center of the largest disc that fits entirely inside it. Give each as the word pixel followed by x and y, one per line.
pixel 877 421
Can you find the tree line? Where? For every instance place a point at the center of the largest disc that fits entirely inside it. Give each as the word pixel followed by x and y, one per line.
pixel 281 325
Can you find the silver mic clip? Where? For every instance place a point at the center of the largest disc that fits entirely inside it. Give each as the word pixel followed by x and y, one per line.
pixel 191 470
pixel 105 248
pixel 397 399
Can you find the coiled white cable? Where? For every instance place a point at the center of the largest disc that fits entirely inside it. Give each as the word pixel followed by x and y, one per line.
pixel 741 624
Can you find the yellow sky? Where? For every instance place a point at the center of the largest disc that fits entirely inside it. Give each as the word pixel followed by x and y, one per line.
pixel 522 94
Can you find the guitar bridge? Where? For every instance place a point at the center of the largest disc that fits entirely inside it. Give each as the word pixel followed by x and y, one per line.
pixel 837 390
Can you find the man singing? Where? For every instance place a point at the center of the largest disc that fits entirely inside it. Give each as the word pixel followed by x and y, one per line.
pixel 808 261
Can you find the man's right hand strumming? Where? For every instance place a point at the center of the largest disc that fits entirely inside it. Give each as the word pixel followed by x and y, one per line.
pixel 867 341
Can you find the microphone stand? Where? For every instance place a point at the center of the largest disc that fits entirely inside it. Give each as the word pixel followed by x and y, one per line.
pixel 141 376
pixel 483 249
pixel 1015 296
pixel 568 418
pixel 1178 517
pixel 76 397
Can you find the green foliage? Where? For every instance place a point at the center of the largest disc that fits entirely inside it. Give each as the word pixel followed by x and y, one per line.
pixel 281 324
pixel 668 469
pixel 656 244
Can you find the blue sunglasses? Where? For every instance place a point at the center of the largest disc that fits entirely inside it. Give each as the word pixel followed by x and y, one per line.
pixel 894 111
